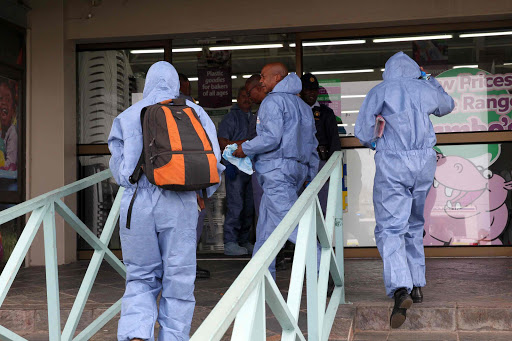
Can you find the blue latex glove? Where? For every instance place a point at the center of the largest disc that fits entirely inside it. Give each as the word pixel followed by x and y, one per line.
pixel 230 172
pixel 245 164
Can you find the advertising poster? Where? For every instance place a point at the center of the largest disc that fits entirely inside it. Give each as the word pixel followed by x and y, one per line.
pixel 214 84
pixel 470 202
pixel 9 118
pixel 329 93
pixel 482 101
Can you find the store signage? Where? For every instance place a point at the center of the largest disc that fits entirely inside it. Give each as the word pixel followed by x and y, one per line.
pixel 482 101
pixel 467 204
pixel 329 94
pixel 214 84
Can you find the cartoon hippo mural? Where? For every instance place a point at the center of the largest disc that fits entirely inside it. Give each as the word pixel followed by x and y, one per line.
pixel 466 204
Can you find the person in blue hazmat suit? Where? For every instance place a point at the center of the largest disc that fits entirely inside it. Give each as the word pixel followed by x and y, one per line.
pixel 257 95
pixel 284 150
pixel 405 165
pixel 240 208
pixel 162 222
pixel 326 128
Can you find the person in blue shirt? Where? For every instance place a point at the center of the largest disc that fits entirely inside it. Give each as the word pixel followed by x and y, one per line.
pixel 284 149
pixel 234 128
pixel 405 165
pixel 162 222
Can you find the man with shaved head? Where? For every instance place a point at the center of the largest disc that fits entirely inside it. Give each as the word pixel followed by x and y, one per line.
pixel 284 150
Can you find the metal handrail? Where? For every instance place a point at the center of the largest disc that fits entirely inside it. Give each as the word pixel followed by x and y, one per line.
pixel 42 209
pixel 244 302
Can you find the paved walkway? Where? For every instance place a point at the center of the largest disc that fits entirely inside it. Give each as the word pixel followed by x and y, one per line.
pixel 465 299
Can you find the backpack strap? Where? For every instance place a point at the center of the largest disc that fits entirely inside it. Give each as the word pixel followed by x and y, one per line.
pixel 137 173
pixel 130 208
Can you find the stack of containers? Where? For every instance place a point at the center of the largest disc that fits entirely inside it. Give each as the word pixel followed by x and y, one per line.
pixel 104 92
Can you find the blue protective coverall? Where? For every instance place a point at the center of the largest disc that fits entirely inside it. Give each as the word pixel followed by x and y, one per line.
pixel 257 191
pixel 285 155
pixel 405 165
pixel 239 200
pixel 159 250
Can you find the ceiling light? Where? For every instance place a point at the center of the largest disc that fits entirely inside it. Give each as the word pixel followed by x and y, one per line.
pixel 353 96
pixel 233 100
pixel 390 40
pixel 485 34
pixel 332 43
pixel 246 76
pixel 147 51
pixel 349 111
pixel 188 49
pixel 461 66
pixel 342 71
pixel 193 79
pixel 505 64
pixel 233 77
pixel 382 70
pixel 343 125
pixel 246 47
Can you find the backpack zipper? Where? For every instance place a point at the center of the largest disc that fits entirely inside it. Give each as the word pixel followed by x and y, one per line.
pixel 180 152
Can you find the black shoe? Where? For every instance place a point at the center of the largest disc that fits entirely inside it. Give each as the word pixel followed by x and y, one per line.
pixel 202 273
pixel 417 295
pixel 403 301
pixel 398 317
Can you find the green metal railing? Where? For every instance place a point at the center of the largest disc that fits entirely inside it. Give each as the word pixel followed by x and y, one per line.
pixel 43 210
pixel 244 302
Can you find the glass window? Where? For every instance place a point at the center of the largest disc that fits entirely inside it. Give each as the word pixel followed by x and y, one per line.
pixel 10 117
pixel 13 43
pixel 108 83
pixel 475 68
pixel 217 68
pixel 12 134
pixel 469 202
pixel 224 64
pixel 95 202
pixel 9 234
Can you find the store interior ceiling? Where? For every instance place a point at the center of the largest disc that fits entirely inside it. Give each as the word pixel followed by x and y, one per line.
pixel 484 52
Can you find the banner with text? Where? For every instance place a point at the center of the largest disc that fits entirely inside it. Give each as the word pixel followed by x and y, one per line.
pixel 482 101
pixel 214 84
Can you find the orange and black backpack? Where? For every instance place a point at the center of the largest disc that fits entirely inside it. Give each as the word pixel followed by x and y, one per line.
pixel 177 153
